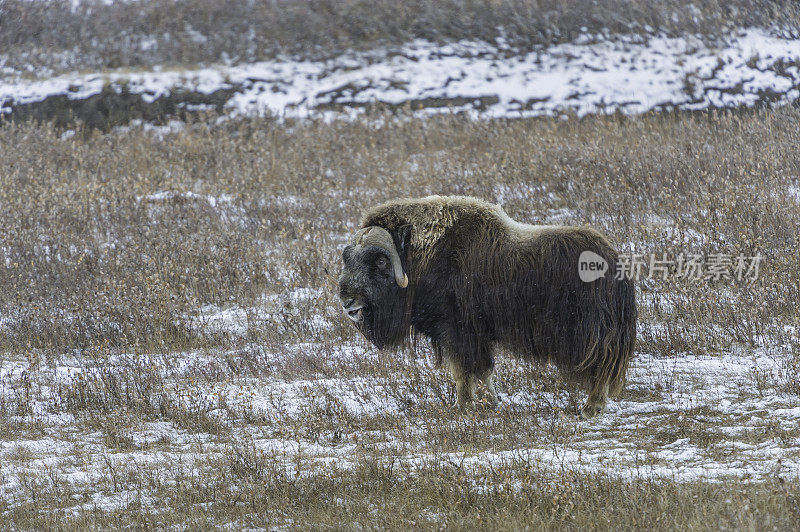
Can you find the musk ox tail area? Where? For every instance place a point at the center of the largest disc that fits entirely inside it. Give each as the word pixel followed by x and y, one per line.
pixel 611 336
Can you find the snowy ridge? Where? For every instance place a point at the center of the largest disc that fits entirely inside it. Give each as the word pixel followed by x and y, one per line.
pixel 491 80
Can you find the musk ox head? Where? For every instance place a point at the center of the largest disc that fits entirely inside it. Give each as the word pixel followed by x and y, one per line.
pixel 373 284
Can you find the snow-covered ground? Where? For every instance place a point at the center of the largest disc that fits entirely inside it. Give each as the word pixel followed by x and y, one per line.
pixel 587 76
pixel 684 418
pixel 716 392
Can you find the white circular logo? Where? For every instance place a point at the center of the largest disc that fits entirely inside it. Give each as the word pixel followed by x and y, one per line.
pixel 591 266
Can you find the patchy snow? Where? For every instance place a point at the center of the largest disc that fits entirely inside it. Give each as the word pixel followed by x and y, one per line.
pixel 177 196
pixel 224 205
pixel 716 392
pixel 236 320
pixel 683 418
pixel 213 319
pixel 583 77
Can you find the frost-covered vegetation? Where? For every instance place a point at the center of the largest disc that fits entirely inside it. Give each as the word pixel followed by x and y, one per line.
pixel 628 75
pixel 172 350
pixel 56 35
pixel 106 64
pixel 174 353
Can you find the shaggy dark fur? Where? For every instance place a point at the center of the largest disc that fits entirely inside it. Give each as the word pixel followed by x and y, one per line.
pixel 479 280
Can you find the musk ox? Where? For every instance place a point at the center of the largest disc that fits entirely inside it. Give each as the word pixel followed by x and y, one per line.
pixel 461 272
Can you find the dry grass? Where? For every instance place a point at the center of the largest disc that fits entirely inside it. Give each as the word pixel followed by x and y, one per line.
pixel 436 497
pixel 105 273
pixel 57 35
pixel 93 259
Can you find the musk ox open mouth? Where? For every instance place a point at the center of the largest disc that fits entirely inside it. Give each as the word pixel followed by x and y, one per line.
pixel 354 310
pixel 355 314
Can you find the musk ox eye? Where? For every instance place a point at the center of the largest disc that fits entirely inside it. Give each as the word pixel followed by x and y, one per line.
pixel 382 262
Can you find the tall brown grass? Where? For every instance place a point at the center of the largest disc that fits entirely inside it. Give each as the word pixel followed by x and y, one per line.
pixel 93 34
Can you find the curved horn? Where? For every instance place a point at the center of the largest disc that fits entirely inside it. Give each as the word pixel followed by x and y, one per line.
pixel 378 236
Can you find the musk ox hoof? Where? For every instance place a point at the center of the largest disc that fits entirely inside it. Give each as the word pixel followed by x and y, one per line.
pixel 494 404
pixel 591 410
pixel 487 403
pixel 461 405
pixel 491 401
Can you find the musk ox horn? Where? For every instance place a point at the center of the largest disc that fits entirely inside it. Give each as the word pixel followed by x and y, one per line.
pixel 378 236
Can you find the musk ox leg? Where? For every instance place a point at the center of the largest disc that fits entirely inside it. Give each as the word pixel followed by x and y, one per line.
pixel 488 380
pixel 596 403
pixel 469 359
pixel 465 384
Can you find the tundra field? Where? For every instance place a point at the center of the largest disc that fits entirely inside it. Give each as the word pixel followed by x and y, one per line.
pixel 174 353
pixel 177 183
